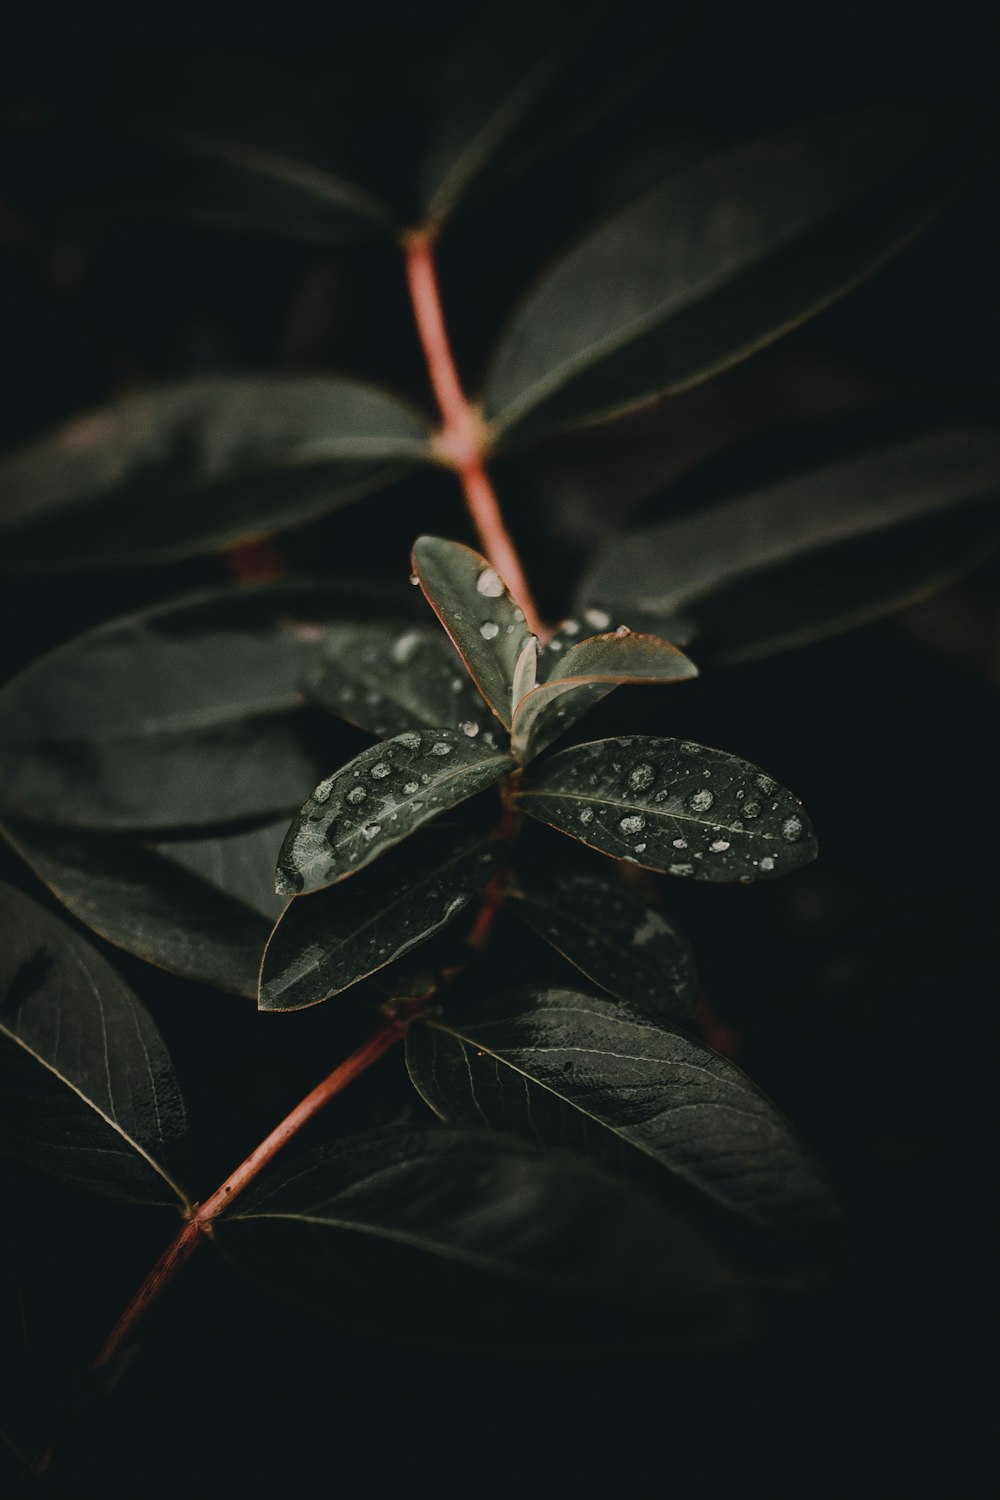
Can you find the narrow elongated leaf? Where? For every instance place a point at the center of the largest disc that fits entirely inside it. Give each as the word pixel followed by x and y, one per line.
pixel 568 1069
pixel 200 464
pixel 466 1237
pixel 326 942
pixel 672 805
pixel 184 715
pixel 89 1093
pixel 380 798
pixel 831 546
pixel 473 604
pixel 202 908
pixel 708 266
pixel 574 683
pixel 389 677
pixel 614 937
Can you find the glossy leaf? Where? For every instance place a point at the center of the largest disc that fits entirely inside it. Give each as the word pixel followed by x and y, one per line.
pixel 474 606
pixel 672 805
pixel 570 1070
pixel 89 1093
pixel 387 678
pixel 708 266
pixel 201 908
pixel 824 549
pixel 569 690
pixel 380 798
pixel 614 937
pixel 466 1237
pixel 184 715
pixel 194 466
pixel 327 941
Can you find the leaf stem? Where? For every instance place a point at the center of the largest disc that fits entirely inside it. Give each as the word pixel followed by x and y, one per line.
pixel 461 443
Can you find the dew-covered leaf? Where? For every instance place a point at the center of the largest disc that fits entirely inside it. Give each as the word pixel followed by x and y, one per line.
pixel 584 674
pixel 200 908
pixel 327 941
pixel 184 715
pixel 472 1238
pixel 89 1092
pixel 200 464
pixel 710 265
pixel 380 798
pixel 672 805
pixel 388 677
pixel 568 1069
pixel 614 937
pixel 837 544
pixel 473 604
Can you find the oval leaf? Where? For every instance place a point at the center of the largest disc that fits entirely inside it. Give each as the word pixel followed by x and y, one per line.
pixel 674 806
pixel 89 1093
pixel 326 942
pixel 379 799
pixel 708 266
pixel 198 465
pixel 466 1237
pixel 614 937
pixel 569 1069
pixel 484 621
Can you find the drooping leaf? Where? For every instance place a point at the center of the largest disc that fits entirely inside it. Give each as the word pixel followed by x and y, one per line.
pixel 387 678
pixel 710 265
pixel 464 1237
pixel 89 1092
pixel 201 908
pixel 327 941
pixel 473 604
pixel 672 805
pixel 568 1069
pixel 380 798
pixel 614 937
pixel 828 547
pixel 194 466
pixel 184 715
pixel 577 679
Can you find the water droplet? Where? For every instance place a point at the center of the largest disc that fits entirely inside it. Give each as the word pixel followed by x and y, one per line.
pixel 381 769
pixel 632 824
pixel 599 618
pixel 719 846
pixel 623 630
pixel 741 793
pixel 414 579
pixel 587 815
pixel 416 806
pixel 456 684
pixel 681 869
pixel 356 794
pixel 489 583
pixel 701 801
pixel 468 727
pixel 689 747
pixel 555 645
pixel 411 787
pixel 751 809
pixel 440 747
pixel 791 829
pixel 408 741
pixel 642 777
pixel 640 848
pixel 489 630
pixel 405 647
pixel 680 843
pixel 519 616
pixel 767 863
pixel 322 792
pixel 287 882
pixel 571 627
pixel 370 830
pixel 765 783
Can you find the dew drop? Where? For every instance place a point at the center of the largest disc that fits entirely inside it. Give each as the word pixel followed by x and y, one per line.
pixel 719 846
pixel 765 783
pixel 623 630
pixel 632 824
pixel 409 741
pixel 642 777
pixel 555 645
pixel 767 863
pixel 680 843
pixel 414 579
pixel 322 792
pixel 381 770
pixel 405 647
pixel 570 627
pixel 456 684
pixel 489 584
pixel 587 815
pixel 791 829
pixel 681 869
pixel 356 794
pixel 640 848
pixel 519 616
pixel 751 809
pixel 370 830
pixel 469 727
pixel 440 747
pixel 489 630
pixel 411 787
pixel 701 800
pixel 599 618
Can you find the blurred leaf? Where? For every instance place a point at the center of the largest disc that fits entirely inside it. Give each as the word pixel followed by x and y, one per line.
pixel 614 937
pixel 571 1070
pixel 327 941
pixel 184 715
pixel 816 552
pixel 469 1238
pixel 89 1091
pixel 709 266
pixel 474 606
pixel 194 466
pixel 202 909
pixel 671 805
pixel 380 798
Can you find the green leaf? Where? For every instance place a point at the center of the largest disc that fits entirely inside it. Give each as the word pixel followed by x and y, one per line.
pixel 202 909
pixel 463 1237
pixel 388 677
pixel 473 604
pixel 672 805
pixel 826 548
pixel 571 1070
pixel 380 798
pixel 573 683
pixel 326 942
pixel 89 1093
pixel 614 937
pixel 708 266
pixel 198 465
pixel 184 715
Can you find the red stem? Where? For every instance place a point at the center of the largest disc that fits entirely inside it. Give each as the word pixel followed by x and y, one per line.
pixel 461 441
